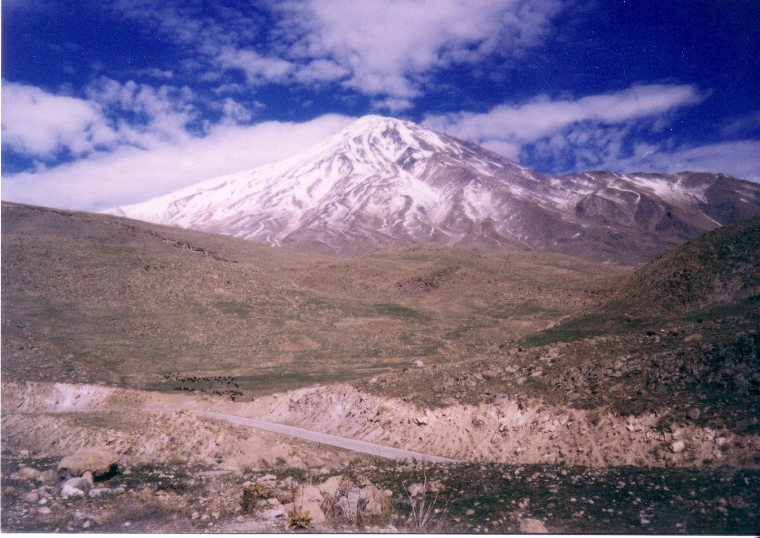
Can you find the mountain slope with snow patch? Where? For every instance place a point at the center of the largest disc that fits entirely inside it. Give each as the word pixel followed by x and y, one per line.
pixel 388 183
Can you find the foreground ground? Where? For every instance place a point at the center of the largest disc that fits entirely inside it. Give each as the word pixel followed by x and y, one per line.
pixel 470 498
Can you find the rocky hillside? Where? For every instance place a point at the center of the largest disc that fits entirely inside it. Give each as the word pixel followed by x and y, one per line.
pixel 385 183
pixel 720 268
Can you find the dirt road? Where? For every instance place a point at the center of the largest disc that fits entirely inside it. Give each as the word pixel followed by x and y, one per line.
pixel 318 437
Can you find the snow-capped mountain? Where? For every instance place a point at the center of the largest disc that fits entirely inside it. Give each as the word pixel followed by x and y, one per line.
pixel 388 183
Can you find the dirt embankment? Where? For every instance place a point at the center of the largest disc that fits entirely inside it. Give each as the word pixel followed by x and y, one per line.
pixel 510 431
pixel 55 418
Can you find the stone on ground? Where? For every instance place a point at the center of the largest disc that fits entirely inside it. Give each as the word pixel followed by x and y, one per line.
pixel 99 461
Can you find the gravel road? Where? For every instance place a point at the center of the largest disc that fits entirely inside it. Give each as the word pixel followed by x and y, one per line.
pixel 324 438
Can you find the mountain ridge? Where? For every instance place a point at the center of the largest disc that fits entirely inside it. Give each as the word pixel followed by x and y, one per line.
pixel 388 183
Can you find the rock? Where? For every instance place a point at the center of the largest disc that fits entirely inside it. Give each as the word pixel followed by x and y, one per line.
pixel 43 510
pixel 348 504
pixel 419 364
pixel 421 420
pixel 195 515
pixel 90 479
pixel 99 461
pixel 315 511
pixel 449 401
pixel 532 526
pixel 678 446
pixel 68 492
pixel 78 483
pixel 32 497
pixel 274 514
pixel 416 489
pixel 694 413
pixel 331 485
pixel 27 473
pixel 49 477
pixel 372 501
pixel 272 501
pixel 99 492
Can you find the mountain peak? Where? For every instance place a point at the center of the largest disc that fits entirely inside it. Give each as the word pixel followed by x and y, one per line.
pixel 389 183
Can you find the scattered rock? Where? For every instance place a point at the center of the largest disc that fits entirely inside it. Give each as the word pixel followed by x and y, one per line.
pixel 532 526
pixel 99 461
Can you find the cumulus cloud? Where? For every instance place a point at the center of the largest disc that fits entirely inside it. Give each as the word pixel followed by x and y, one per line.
pixel 385 49
pixel 40 123
pixel 130 174
pixel 389 47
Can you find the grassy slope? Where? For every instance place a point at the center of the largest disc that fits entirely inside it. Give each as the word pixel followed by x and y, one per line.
pixel 96 298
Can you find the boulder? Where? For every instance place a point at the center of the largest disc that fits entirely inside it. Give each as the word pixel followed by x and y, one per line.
pixel 532 526
pixel 99 461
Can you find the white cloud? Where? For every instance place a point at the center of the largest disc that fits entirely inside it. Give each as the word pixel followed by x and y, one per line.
pixel 153 114
pixel 385 49
pixel 596 131
pixel 257 68
pixel 130 174
pixel 739 158
pixel 543 117
pixel 41 123
pixel 390 46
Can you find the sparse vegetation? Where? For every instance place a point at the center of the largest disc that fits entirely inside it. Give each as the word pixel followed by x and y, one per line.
pixel 252 494
pixel 299 519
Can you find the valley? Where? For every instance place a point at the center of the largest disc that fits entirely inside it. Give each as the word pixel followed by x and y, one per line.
pixel 508 362
pixel 396 331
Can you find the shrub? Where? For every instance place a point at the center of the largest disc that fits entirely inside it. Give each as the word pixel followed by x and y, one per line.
pixel 251 495
pixel 299 519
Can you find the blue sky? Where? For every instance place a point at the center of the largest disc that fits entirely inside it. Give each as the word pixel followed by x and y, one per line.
pixel 108 103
